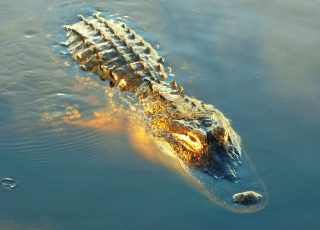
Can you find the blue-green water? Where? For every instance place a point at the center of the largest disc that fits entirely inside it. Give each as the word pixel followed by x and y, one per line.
pixel 258 62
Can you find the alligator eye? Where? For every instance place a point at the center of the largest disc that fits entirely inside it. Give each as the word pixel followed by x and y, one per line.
pixel 192 138
pixel 190 141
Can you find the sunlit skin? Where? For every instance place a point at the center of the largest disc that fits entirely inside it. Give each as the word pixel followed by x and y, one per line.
pixel 190 141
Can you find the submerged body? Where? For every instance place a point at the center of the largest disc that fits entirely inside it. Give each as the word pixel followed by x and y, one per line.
pixel 198 134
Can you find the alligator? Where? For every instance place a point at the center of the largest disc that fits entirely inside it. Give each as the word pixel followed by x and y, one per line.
pixel 198 133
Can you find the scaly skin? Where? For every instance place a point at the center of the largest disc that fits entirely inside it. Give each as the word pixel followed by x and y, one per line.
pixel 198 133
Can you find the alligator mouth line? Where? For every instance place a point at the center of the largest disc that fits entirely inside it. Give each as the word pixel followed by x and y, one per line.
pixel 198 133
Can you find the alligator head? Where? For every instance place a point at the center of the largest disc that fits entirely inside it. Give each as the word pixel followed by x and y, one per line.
pixel 206 142
pixel 210 152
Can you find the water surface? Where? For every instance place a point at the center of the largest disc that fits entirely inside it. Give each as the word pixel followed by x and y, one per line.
pixel 258 62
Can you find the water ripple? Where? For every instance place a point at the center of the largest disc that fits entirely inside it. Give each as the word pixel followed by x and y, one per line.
pixel 9 183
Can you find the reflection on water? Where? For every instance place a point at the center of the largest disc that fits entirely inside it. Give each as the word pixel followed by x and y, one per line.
pixel 256 61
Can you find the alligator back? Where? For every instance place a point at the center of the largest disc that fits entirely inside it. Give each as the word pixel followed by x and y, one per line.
pixel 115 52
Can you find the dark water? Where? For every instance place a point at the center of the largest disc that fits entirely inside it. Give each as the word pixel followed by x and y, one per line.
pixel 258 62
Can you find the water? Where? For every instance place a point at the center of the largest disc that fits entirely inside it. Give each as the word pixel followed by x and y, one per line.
pixel 255 61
